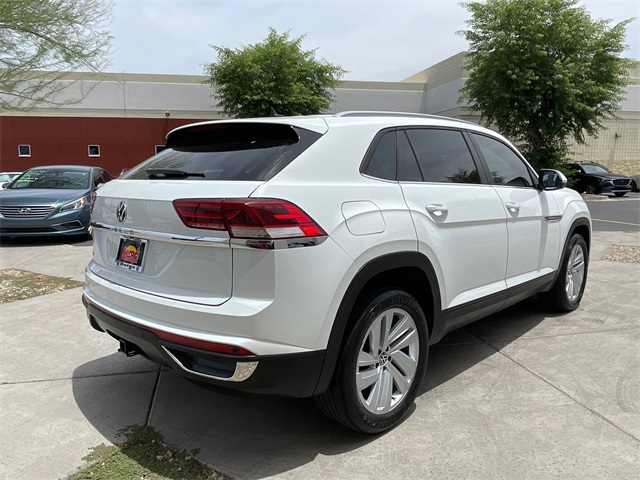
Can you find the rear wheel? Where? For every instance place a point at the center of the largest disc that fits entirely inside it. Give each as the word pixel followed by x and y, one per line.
pixel 381 365
pixel 567 291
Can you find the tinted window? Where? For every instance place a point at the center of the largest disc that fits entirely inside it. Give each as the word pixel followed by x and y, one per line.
pixel 101 177
pixel 408 170
pixel 241 151
pixel 505 166
pixel 382 163
pixel 443 156
pixel 595 169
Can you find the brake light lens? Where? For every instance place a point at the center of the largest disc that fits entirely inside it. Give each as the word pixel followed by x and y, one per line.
pixel 200 213
pixel 248 218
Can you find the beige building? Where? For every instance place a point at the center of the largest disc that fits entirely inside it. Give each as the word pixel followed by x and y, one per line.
pixel 617 146
pixel 168 100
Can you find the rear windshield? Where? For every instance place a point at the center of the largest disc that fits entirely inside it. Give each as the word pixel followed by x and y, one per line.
pixel 227 151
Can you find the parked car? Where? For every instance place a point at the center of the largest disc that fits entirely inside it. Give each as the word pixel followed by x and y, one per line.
pixel 595 179
pixel 51 200
pixel 322 256
pixel 6 178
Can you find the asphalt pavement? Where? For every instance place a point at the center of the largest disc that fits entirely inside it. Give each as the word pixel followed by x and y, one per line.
pixel 522 394
pixel 615 214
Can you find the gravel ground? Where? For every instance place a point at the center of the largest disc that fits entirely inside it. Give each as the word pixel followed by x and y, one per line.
pixel 623 253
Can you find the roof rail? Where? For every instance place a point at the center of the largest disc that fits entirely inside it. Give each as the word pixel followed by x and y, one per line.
pixel 374 113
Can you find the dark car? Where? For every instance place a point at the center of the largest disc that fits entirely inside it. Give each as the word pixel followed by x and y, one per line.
pixel 51 200
pixel 595 179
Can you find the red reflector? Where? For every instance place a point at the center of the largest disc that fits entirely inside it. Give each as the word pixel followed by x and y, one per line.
pixel 249 218
pixel 202 344
pixel 94 194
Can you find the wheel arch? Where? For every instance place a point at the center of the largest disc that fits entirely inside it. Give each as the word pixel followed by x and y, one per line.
pixel 581 226
pixel 405 270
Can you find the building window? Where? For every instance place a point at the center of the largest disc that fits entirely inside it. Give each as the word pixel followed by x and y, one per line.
pixel 160 148
pixel 94 150
pixel 24 150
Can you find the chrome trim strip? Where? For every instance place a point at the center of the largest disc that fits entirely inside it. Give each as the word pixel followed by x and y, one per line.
pixel 267 244
pixel 553 218
pixel 165 237
pixel 280 244
pixel 243 369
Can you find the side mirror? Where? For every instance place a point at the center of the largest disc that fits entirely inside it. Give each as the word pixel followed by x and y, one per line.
pixel 552 179
pixel 5 185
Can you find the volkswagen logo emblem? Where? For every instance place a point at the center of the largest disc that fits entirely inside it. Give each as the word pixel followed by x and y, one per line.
pixel 121 212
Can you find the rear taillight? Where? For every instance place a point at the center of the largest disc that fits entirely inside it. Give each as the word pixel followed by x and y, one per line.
pixel 249 218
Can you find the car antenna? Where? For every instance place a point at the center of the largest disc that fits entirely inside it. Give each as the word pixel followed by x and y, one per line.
pixel 274 113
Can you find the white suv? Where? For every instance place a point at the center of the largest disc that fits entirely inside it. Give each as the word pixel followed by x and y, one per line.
pixel 321 256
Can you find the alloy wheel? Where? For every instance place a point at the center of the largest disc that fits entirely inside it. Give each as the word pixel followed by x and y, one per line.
pixel 387 361
pixel 575 273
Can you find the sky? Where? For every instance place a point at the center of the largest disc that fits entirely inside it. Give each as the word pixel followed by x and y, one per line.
pixel 373 40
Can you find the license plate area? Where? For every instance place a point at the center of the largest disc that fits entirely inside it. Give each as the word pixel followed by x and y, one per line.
pixel 131 253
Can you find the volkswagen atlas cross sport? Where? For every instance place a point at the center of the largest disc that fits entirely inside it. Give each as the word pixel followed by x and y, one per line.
pixel 321 256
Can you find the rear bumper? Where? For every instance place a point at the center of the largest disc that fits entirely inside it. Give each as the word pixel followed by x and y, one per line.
pixel 290 375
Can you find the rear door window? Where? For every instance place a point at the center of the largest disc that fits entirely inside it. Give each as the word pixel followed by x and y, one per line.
pixel 408 169
pixel 443 156
pixel 227 151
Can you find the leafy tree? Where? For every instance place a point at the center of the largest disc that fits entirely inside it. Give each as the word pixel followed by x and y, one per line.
pixel 40 40
pixel 543 71
pixel 275 73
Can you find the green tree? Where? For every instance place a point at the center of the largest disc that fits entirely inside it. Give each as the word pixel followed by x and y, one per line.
pixel 275 73
pixel 41 40
pixel 542 71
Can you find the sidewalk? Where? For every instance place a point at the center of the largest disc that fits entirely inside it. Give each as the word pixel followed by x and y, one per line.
pixel 522 394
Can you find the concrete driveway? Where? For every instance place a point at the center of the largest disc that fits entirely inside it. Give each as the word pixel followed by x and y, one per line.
pixel 522 394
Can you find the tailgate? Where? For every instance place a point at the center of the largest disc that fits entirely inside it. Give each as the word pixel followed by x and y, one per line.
pixel 149 249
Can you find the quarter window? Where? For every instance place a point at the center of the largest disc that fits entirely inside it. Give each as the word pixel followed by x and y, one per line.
pixel 443 156
pixel 505 166
pixel 382 163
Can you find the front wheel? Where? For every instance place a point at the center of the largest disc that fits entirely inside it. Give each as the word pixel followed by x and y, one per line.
pixel 591 190
pixel 567 291
pixel 381 365
pixel 619 194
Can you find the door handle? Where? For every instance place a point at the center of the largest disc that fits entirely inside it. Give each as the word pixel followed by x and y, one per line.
pixel 437 210
pixel 512 207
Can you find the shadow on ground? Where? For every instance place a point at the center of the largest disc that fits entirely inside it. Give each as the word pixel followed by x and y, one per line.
pixel 255 437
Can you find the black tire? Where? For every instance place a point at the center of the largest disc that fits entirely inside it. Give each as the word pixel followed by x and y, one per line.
pixel 620 194
pixel 565 296
pixel 591 190
pixel 344 401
